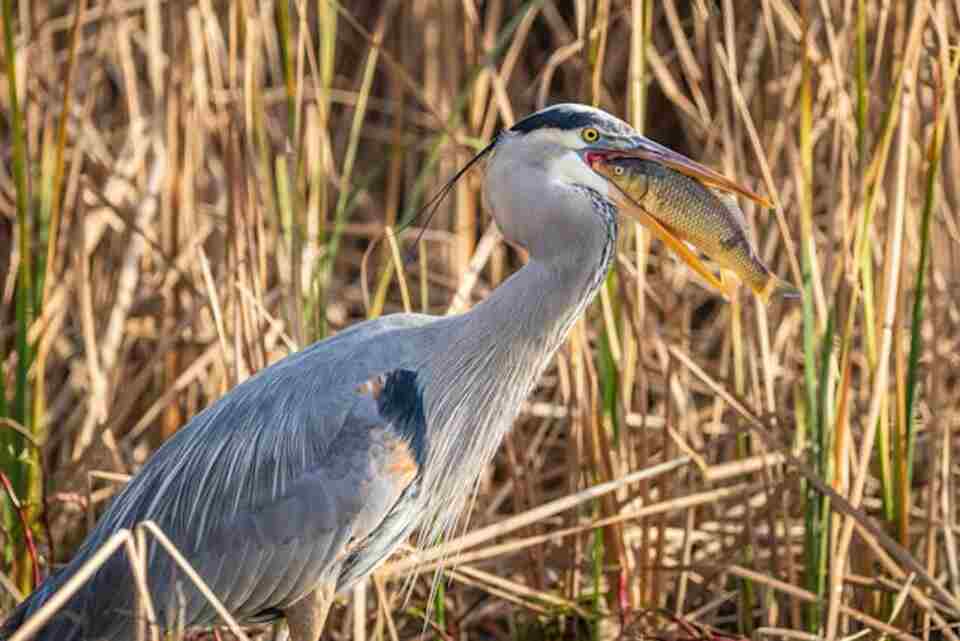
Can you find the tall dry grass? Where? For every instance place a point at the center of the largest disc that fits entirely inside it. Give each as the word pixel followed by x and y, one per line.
pixel 188 190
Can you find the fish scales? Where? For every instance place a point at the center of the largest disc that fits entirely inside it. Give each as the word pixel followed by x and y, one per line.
pixel 709 220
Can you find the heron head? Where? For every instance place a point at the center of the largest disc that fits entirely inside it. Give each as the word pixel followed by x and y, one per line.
pixel 551 149
pixel 535 162
pixel 538 168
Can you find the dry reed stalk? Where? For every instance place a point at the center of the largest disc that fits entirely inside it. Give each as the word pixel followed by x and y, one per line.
pixel 880 378
pixel 531 516
pixel 260 110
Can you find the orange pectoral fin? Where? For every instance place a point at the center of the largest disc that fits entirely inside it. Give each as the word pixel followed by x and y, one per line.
pixel 666 236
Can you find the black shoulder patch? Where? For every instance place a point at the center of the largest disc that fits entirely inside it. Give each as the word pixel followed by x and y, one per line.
pixel 560 118
pixel 401 402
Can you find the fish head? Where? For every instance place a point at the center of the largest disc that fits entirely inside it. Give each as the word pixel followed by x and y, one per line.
pixel 630 175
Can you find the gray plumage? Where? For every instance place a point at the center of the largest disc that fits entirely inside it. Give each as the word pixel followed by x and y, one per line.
pixel 301 480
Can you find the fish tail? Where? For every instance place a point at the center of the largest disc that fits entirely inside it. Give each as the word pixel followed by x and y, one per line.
pixel 773 287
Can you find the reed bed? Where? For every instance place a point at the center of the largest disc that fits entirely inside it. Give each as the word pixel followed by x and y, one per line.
pixel 191 190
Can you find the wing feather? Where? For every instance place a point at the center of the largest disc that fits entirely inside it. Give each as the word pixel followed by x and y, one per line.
pixel 262 491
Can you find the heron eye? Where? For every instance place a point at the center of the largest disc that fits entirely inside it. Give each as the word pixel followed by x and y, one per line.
pixel 618 170
pixel 590 134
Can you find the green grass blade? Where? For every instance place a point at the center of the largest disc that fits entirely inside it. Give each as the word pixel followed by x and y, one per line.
pixel 14 457
pixel 929 204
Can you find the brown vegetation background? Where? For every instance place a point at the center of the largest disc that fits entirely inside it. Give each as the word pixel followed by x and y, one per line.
pixel 188 190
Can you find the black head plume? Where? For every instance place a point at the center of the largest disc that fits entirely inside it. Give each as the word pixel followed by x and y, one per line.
pixel 432 205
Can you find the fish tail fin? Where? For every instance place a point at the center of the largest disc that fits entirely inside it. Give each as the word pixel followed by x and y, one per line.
pixel 774 287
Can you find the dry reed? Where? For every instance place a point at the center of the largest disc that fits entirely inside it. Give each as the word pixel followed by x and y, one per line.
pixel 189 190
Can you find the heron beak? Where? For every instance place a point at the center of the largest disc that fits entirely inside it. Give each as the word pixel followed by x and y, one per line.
pixel 646 149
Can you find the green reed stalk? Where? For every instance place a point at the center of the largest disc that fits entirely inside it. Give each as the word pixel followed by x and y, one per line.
pixel 16 459
pixel 816 531
pixel 916 339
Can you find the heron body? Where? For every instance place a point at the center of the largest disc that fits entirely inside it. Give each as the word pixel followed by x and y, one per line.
pixel 301 480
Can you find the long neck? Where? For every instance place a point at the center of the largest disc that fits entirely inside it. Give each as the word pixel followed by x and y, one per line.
pixel 492 357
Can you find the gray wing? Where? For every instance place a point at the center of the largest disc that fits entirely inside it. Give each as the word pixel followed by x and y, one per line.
pixel 264 558
pixel 271 489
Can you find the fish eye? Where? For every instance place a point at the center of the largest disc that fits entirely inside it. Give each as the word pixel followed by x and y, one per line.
pixel 590 134
pixel 618 170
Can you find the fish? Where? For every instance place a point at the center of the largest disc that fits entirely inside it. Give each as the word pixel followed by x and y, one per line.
pixel 684 210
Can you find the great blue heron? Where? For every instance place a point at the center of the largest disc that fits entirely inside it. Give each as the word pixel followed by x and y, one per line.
pixel 301 480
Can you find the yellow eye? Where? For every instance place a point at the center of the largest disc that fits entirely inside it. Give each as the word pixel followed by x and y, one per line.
pixel 590 134
pixel 618 170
